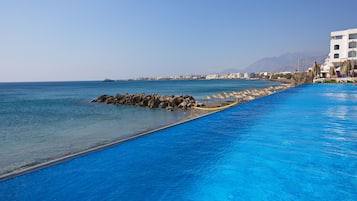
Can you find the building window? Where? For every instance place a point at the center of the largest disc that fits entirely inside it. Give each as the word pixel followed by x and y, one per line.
pixel 352 36
pixel 336 56
pixel 336 47
pixel 352 44
pixel 337 37
pixel 352 54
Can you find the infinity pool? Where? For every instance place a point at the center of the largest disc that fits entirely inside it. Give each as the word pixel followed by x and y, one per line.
pixel 299 144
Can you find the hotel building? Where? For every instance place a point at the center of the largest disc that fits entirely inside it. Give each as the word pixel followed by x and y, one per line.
pixel 343 46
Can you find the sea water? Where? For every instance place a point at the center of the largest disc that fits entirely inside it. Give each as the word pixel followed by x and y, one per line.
pixel 299 144
pixel 47 120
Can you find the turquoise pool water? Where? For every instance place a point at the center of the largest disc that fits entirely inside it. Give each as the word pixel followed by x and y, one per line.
pixel 299 144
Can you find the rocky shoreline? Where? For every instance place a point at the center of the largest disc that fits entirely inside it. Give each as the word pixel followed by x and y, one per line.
pixel 152 101
pixel 188 103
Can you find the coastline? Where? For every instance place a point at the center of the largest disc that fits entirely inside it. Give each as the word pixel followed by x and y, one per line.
pixel 216 106
pixel 194 114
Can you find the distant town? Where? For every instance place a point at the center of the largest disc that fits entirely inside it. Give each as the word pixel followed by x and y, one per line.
pixel 339 66
pixel 261 75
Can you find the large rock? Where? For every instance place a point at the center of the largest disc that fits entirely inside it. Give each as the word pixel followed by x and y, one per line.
pixel 152 101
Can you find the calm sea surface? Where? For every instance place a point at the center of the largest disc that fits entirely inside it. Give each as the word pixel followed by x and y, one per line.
pixel 39 121
pixel 299 144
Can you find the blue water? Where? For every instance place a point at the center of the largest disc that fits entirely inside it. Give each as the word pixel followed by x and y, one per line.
pixel 299 144
pixel 42 121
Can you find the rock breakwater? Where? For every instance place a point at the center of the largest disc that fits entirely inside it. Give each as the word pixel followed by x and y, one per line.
pixel 152 101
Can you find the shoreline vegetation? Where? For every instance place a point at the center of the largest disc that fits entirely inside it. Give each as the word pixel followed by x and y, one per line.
pixel 214 103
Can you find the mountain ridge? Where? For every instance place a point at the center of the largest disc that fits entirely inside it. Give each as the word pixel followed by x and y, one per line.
pixel 287 62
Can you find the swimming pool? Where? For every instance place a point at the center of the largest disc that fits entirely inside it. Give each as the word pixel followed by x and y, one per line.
pixel 299 144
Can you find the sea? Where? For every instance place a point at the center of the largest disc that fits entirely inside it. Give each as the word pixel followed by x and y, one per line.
pixel 297 144
pixel 41 121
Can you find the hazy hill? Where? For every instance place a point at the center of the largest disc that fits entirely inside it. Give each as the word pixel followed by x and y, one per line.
pixel 287 62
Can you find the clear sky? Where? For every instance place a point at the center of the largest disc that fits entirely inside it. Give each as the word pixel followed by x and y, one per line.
pixel 92 40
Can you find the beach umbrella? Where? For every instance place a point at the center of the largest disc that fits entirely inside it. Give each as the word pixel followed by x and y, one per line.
pixel 239 97
pixel 221 96
pixel 207 97
pixel 316 69
pixel 249 98
pixel 231 95
pixel 215 96
pixel 349 67
pixel 218 96
pixel 225 95
pixel 352 70
pixel 344 68
pixel 332 71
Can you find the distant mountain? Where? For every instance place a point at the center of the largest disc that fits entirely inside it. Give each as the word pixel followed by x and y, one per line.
pixel 287 62
pixel 229 70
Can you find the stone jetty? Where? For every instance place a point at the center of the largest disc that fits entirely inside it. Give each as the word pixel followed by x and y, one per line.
pixel 152 101
pixel 173 102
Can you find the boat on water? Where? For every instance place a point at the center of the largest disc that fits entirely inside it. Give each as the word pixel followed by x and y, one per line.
pixel 108 80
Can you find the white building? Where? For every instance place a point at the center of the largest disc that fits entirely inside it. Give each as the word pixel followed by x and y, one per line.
pixel 343 46
pixel 212 76
pixel 248 75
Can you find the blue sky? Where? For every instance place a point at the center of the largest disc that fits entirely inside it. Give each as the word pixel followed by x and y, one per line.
pixel 93 40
